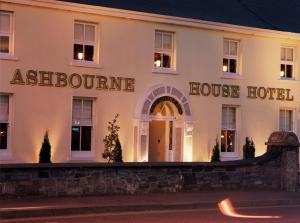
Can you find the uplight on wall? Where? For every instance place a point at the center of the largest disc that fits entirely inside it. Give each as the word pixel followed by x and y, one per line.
pixel 80 56
pixel 157 63
pixel 225 68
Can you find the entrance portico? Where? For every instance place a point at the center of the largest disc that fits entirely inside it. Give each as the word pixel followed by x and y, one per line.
pixel 163 129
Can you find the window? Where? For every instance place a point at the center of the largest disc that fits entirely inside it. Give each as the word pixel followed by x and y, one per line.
pixel 286 120
pixel 84 41
pixel 4 121
pixel 228 133
pixel 230 56
pixel 164 49
pixel 82 125
pixel 5 32
pixel 287 62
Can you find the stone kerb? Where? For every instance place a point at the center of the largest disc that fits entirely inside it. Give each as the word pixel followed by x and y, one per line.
pixel 288 144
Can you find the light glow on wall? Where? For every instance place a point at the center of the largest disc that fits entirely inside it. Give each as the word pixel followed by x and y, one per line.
pixel 188 149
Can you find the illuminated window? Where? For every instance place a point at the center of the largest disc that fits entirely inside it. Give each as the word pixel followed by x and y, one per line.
pixel 230 56
pixel 4 121
pixel 164 49
pixel 84 41
pixel 228 133
pixel 286 120
pixel 82 125
pixel 5 32
pixel 287 62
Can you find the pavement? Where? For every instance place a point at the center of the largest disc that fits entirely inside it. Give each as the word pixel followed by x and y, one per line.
pixel 12 208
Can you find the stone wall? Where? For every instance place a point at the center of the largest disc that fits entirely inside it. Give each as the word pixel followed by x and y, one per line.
pixel 277 169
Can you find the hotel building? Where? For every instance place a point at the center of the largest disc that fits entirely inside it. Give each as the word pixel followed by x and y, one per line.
pixel 180 74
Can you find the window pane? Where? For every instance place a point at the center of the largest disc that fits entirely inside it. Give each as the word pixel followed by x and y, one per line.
pixel 79 32
pixel 90 33
pixel 232 66
pixel 4 23
pixel 4 108
pixel 223 141
pixel 233 48
pixel 231 118
pixel 75 138
pixel 4 44
pixel 3 135
pixel 166 61
pixel 224 117
pixel 86 118
pixel 78 52
pixel 157 60
pixel 86 138
pixel 282 70
pixel 282 120
pixel 290 120
pixel 76 112
pixel 225 65
pixel 289 71
pixel 289 54
pixel 158 40
pixel 226 47
pixel 230 141
pixel 88 53
pixel 282 53
pixel 167 41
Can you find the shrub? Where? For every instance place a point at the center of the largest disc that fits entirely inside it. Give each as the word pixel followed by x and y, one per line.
pixel 215 157
pixel 45 152
pixel 248 149
pixel 112 146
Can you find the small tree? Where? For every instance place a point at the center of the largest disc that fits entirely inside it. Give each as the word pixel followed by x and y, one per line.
pixel 110 141
pixel 249 149
pixel 215 157
pixel 117 152
pixel 45 152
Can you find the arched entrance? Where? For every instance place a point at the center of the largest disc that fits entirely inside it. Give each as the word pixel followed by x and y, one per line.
pixel 163 127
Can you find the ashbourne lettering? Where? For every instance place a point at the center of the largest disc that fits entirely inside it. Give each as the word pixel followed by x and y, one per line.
pixel 74 80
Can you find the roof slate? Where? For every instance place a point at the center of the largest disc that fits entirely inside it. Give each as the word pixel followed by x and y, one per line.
pixel 281 15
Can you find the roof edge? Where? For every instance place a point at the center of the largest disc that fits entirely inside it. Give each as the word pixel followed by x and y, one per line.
pixel 156 18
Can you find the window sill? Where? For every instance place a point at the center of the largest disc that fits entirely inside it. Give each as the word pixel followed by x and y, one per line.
pixel 81 63
pixel 290 80
pixel 8 57
pixel 162 70
pixel 82 155
pixel 5 155
pixel 227 75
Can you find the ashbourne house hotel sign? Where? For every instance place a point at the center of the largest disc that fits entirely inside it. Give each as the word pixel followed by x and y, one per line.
pixel 74 80
pixel 233 91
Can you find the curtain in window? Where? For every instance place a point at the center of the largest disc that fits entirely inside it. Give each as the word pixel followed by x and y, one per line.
pixel 86 118
pixel 4 23
pixel 4 108
pixel 76 113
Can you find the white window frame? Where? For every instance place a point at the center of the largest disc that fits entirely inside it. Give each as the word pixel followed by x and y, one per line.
pixel 170 52
pixel 287 62
pixel 95 44
pixel 84 155
pixel 6 154
pixel 230 155
pixel 10 34
pixel 233 57
pixel 285 121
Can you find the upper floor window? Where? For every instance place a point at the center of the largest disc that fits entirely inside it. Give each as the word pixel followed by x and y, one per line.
pixel 286 120
pixel 84 41
pixel 82 125
pixel 164 49
pixel 230 56
pixel 5 32
pixel 4 121
pixel 228 133
pixel 287 62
